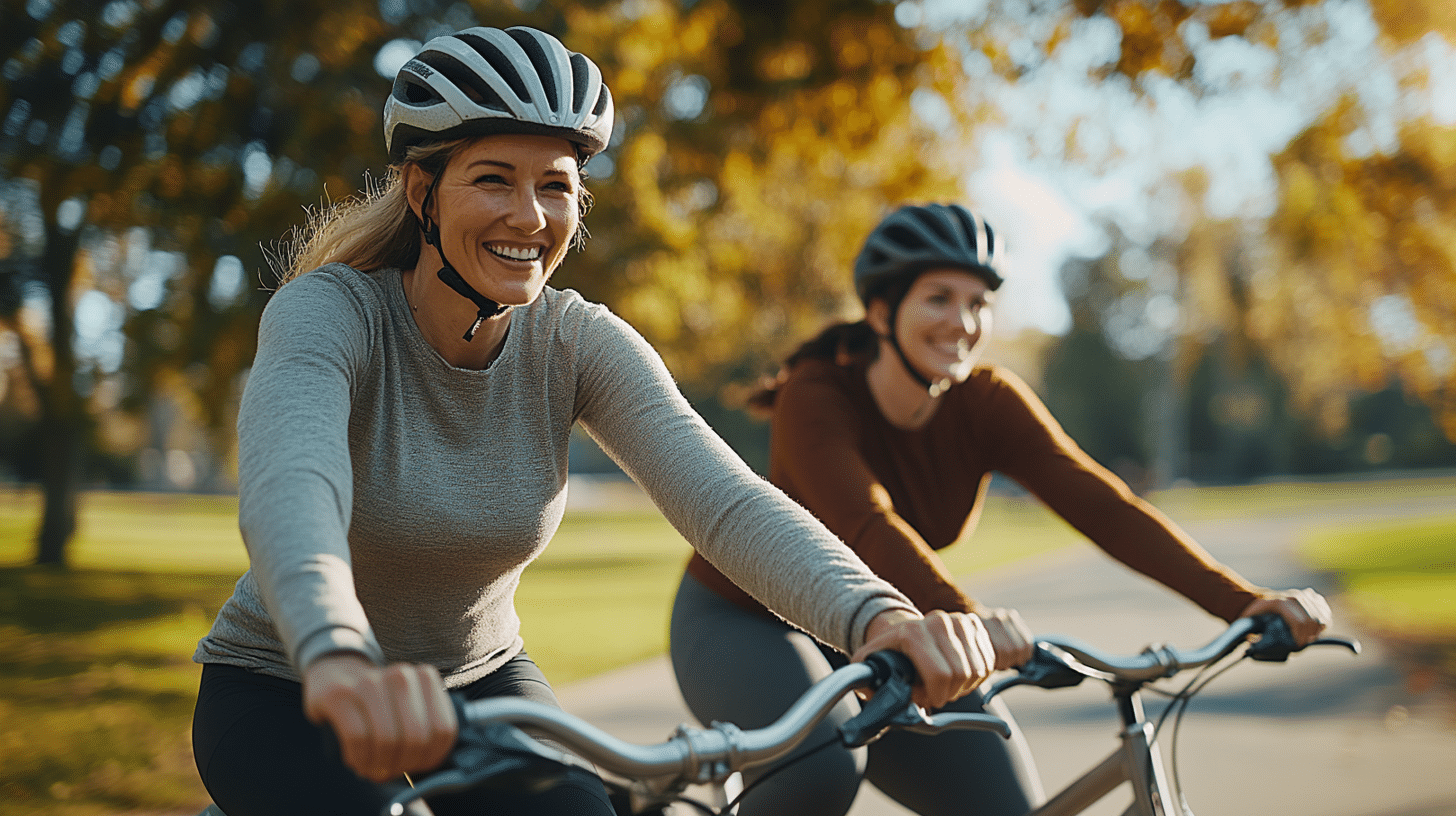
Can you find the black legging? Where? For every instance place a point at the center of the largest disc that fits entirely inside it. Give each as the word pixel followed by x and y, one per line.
pixel 259 756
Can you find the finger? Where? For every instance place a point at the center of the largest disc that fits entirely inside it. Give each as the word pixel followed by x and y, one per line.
pixel 947 639
pixel 1322 611
pixel 439 713
pixel 406 710
pixel 916 640
pixel 1010 638
pixel 980 651
pixel 1316 613
pixel 351 729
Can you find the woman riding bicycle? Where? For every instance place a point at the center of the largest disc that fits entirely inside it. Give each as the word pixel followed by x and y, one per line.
pixel 888 430
pixel 403 457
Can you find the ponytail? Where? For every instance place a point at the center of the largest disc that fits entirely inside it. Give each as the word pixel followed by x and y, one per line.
pixel 843 344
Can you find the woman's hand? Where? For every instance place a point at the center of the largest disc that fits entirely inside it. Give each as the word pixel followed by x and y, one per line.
pixel 1306 612
pixel 951 651
pixel 389 720
pixel 1010 637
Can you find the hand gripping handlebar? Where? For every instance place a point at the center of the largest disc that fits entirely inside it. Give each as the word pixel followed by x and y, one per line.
pixel 1063 661
pixel 494 747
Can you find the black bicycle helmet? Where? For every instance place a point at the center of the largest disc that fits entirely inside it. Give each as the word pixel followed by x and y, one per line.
pixel 483 81
pixel 915 238
pixel 918 237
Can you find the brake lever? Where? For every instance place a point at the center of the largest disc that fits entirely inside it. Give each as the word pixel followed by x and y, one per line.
pixel 960 721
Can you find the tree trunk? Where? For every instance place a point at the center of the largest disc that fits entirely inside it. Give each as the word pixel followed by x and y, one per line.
pixel 62 422
pixel 60 478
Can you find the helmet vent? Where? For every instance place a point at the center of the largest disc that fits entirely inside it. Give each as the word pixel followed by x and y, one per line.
pixel 580 82
pixel 938 227
pixel 541 62
pixel 414 93
pixel 903 237
pixel 498 61
pixel 968 227
pixel 466 80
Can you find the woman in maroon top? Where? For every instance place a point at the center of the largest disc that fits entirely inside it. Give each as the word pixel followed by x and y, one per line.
pixel 888 430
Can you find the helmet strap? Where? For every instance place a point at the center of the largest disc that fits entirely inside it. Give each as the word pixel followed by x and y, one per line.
pixel 934 388
pixel 486 308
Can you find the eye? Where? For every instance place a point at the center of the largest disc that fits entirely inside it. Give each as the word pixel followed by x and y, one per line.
pixel 491 178
pixel 560 187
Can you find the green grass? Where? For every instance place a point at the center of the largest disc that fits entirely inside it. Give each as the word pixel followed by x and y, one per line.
pixel 98 688
pixel 1398 577
pixel 97 685
pixel 598 597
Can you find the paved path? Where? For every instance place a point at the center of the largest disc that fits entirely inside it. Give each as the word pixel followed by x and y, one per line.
pixel 1327 734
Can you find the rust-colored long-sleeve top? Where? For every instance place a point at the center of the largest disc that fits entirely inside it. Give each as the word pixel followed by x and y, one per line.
pixel 895 496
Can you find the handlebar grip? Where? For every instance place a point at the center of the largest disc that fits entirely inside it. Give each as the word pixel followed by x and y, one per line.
pixel 891 703
pixel 890 664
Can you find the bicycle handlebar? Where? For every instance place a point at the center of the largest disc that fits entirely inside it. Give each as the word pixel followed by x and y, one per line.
pixel 1059 661
pixel 493 745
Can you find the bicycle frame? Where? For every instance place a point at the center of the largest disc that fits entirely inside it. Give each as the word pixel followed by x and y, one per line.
pixel 1137 760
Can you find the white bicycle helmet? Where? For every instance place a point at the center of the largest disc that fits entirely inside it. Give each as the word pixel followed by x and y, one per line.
pixel 914 238
pixel 483 81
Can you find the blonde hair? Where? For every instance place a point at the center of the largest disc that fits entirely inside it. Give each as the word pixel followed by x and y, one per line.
pixel 375 230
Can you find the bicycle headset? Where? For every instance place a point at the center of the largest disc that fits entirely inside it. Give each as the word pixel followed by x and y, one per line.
pixel 487 81
pixel 916 238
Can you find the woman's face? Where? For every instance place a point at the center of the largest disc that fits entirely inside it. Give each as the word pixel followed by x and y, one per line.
pixel 942 321
pixel 508 207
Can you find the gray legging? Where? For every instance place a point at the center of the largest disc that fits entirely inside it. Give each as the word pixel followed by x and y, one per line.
pixel 737 666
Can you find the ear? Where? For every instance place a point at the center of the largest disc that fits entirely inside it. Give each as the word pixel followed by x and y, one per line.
pixel 416 183
pixel 877 315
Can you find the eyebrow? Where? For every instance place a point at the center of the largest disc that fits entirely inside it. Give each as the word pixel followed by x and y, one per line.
pixel 550 171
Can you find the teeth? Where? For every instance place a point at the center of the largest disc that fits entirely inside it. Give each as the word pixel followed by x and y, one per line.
pixel 516 253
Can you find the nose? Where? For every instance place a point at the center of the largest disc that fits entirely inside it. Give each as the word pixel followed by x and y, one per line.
pixel 527 216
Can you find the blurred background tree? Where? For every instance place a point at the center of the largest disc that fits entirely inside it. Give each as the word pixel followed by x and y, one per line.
pixel 147 150
pixel 1272 182
pixel 153 151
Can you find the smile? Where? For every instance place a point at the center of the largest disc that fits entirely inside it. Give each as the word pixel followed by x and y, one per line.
pixel 515 253
pixel 954 349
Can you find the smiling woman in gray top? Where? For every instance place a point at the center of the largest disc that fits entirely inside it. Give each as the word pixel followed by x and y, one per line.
pixel 397 475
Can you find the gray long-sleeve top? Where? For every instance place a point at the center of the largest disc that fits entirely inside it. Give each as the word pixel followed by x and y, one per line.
pixel 389 501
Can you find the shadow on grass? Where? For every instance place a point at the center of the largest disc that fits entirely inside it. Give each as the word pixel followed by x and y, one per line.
pixel 97 688
pixel 52 601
